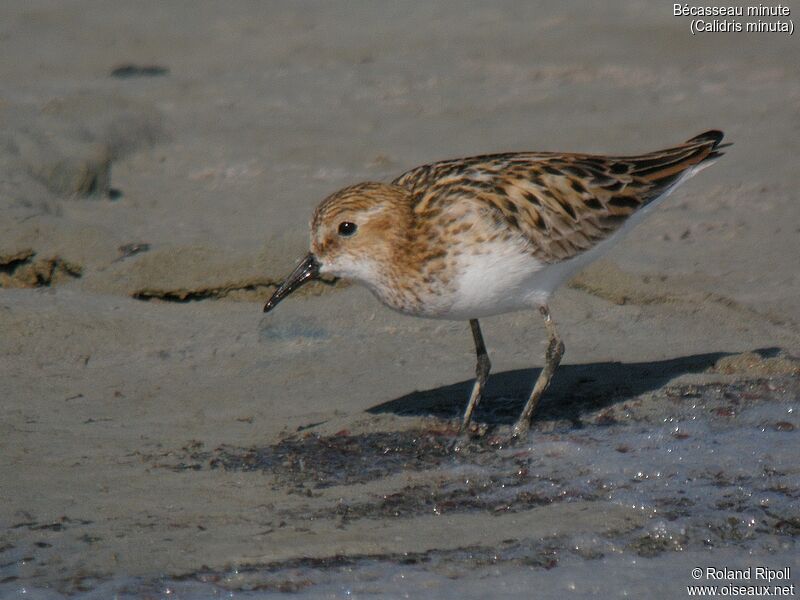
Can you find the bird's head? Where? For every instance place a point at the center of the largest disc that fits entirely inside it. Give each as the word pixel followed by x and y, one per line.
pixel 355 233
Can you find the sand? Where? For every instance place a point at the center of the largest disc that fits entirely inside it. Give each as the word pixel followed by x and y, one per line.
pixel 158 166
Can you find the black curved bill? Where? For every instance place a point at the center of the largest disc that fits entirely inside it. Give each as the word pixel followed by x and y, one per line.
pixel 305 272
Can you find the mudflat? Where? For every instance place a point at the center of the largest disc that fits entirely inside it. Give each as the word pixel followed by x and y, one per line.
pixel 158 167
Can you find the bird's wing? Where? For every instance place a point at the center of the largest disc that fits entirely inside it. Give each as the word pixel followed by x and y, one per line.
pixel 563 204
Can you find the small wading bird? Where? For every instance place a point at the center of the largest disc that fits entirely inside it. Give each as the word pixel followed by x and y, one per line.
pixel 468 238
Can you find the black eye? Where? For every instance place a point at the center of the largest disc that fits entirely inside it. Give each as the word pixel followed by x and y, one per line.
pixel 346 228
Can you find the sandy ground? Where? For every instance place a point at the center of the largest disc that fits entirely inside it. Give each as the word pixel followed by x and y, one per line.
pixel 157 428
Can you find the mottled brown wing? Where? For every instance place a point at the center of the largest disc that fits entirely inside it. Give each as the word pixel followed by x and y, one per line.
pixel 562 203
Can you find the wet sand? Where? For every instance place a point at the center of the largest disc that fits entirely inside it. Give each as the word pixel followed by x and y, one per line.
pixel 158 165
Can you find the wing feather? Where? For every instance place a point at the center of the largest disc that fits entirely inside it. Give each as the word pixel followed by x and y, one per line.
pixel 562 204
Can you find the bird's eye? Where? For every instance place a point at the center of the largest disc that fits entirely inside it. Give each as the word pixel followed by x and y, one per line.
pixel 346 228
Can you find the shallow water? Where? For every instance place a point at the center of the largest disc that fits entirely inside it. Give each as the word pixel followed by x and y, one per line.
pixel 710 471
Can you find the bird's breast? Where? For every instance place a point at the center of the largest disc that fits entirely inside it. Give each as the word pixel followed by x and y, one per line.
pixel 467 283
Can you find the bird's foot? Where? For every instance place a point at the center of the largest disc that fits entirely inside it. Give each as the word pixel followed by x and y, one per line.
pixel 520 430
pixel 463 438
pixel 467 435
pixel 459 443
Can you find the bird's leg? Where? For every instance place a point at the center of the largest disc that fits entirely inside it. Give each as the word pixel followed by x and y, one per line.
pixel 481 374
pixel 555 350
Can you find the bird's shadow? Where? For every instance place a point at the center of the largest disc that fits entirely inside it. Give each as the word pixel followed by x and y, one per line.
pixel 575 389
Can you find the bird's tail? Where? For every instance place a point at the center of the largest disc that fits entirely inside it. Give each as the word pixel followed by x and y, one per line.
pixel 664 167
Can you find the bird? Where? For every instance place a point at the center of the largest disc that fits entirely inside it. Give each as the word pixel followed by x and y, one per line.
pixel 473 237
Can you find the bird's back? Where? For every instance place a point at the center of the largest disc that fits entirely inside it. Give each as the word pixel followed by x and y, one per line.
pixel 563 204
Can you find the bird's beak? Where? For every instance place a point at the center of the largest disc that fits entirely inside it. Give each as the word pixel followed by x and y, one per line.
pixel 305 272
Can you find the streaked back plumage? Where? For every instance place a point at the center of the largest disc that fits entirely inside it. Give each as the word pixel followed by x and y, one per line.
pixel 562 203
